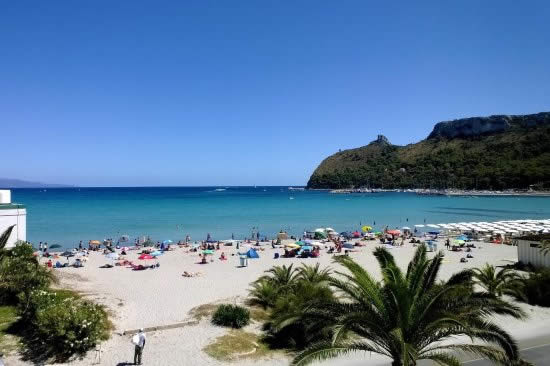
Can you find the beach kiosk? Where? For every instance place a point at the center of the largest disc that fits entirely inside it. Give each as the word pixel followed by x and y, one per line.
pixel 12 214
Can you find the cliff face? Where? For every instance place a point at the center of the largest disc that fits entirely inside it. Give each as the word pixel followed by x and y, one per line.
pixel 475 126
pixel 496 152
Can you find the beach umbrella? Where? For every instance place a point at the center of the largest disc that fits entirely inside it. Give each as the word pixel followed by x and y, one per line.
pixel 292 245
pixel 406 228
pixel 356 234
pixel 329 229
pixel 460 242
pixel 366 228
pixel 394 232
pixel 320 235
pixel 167 241
pixel 319 230
pixel 307 247
pixel 300 243
pixel 156 253
pixel 146 257
pixel 208 251
pixel 94 242
pixel 54 246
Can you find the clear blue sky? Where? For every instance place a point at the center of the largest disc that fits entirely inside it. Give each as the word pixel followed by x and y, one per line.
pixel 250 92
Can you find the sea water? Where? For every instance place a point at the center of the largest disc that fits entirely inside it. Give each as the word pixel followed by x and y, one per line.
pixel 67 215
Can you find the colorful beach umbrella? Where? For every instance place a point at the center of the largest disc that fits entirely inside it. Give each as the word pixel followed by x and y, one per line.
pixel 366 228
pixel 292 245
pixel 94 242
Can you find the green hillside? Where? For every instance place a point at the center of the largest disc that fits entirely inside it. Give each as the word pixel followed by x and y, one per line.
pixel 497 152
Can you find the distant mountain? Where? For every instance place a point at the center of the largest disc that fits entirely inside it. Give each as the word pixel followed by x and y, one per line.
pixel 496 152
pixel 17 183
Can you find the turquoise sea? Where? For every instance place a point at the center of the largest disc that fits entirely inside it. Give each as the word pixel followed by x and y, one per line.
pixel 68 215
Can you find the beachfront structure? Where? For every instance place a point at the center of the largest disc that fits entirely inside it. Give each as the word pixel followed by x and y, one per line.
pixel 529 252
pixel 12 214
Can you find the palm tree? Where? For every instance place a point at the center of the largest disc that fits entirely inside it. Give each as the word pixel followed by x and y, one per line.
pixel 262 294
pixel 4 241
pixel 408 316
pixel 497 283
pixel 266 289
pixel 545 247
pixel 313 274
pixel 282 277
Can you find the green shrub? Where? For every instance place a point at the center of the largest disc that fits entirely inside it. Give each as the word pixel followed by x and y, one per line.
pixel 21 274
pixel 535 289
pixel 233 316
pixel 66 324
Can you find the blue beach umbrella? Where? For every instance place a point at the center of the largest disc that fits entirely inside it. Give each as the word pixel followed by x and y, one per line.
pixel 307 247
pixel 167 241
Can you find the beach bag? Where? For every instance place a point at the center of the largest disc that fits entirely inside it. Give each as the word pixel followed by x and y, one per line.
pixel 135 339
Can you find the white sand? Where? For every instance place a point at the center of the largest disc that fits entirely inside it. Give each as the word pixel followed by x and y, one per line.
pixel 162 296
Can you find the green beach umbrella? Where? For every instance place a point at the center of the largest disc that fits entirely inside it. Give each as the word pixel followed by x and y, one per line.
pixel 55 246
pixel 460 242
pixel 208 251
pixel 300 243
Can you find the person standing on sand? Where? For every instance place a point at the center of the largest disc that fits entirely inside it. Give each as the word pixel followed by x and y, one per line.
pixel 139 341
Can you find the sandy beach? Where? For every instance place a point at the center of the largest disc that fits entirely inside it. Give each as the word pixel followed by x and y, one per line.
pixel 162 296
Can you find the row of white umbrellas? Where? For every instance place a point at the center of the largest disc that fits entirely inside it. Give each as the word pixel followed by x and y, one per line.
pixel 502 227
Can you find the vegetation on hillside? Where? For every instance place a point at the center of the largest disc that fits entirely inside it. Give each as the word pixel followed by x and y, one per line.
pixel 517 158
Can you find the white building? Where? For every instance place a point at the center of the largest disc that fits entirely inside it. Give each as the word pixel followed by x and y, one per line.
pixel 529 251
pixel 12 214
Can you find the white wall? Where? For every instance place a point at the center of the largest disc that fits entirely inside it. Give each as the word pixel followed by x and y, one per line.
pixel 529 252
pixel 15 216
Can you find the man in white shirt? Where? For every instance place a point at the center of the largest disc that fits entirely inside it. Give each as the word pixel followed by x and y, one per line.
pixel 139 341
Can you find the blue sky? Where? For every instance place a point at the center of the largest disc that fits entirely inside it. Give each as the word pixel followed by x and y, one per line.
pixel 115 93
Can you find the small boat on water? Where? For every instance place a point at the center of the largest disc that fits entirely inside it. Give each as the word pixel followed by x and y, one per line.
pixel 296 189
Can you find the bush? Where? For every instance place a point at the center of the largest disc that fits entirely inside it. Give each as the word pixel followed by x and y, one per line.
pixel 21 274
pixel 66 324
pixel 228 315
pixel 535 289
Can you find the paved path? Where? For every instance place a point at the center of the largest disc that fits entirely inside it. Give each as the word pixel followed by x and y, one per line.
pixel 537 355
